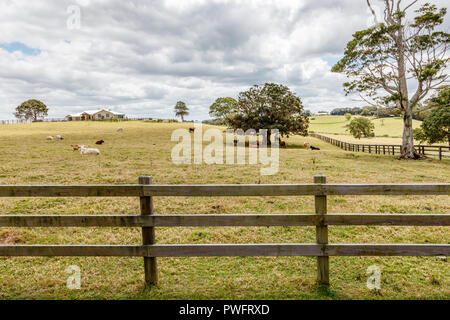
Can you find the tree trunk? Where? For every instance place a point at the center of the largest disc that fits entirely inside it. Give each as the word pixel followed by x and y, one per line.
pixel 182 118
pixel 407 151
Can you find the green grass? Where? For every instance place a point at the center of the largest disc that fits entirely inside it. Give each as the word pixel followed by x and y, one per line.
pixel 144 149
pixel 387 130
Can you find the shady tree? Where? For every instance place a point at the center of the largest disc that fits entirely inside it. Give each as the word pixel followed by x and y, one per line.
pixel 272 106
pixel 31 110
pixel 385 62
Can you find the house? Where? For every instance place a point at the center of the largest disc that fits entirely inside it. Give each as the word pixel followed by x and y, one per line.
pixel 102 114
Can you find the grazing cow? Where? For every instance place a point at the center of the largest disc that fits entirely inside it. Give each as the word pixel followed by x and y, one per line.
pixel 75 147
pixel 252 145
pixel 307 145
pixel 282 144
pixel 119 129
pixel 49 138
pixel 100 142
pixel 85 150
pixel 58 137
pixel 314 148
pixel 191 129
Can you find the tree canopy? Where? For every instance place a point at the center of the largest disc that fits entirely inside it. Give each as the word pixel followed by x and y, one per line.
pixel 181 110
pixel 223 108
pixel 31 110
pixel 436 127
pixel 382 61
pixel 272 106
pixel 361 127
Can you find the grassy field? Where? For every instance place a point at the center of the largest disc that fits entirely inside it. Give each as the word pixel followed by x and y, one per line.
pixel 387 130
pixel 144 149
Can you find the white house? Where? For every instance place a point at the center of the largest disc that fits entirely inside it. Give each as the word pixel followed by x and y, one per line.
pixel 101 114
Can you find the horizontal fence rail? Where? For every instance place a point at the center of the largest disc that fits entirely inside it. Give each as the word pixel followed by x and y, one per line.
pixel 147 220
pixel 229 250
pixel 224 220
pixel 386 149
pixel 223 190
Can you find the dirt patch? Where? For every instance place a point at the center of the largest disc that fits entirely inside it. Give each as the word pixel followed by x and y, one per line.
pixel 9 238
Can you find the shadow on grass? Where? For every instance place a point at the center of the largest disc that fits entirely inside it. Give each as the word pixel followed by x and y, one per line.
pixel 326 292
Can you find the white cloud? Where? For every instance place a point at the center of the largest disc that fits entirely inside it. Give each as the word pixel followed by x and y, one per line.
pixel 141 57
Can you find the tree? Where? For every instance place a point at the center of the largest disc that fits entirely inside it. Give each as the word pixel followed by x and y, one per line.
pixel 419 135
pixel 395 54
pixel 348 116
pixel 436 127
pixel 361 127
pixel 223 109
pixel 31 110
pixel 442 98
pixel 181 110
pixel 272 106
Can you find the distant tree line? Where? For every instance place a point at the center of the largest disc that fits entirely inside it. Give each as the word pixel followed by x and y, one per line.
pixel 369 111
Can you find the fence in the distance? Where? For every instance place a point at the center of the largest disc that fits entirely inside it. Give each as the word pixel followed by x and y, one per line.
pixel 389 149
pixel 18 121
pixel 147 220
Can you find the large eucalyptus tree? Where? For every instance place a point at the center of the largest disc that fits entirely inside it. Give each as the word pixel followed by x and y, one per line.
pixel 399 60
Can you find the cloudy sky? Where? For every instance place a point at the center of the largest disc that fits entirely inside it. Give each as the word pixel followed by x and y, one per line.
pixel 142 56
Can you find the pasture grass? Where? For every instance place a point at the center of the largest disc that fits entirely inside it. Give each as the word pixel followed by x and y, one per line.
pixel 387 130
pixel 145 149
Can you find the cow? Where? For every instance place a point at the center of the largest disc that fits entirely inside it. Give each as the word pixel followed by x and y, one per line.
pixel 306 145
pixel 314 148
pixel 100 142
pixel 84 150
pixel 191 129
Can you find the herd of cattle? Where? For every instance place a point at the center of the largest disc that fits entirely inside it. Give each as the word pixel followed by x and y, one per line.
pixel 84 150
pixel 280 142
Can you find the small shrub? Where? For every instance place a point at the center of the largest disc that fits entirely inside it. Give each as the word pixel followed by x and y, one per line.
pixel 361 127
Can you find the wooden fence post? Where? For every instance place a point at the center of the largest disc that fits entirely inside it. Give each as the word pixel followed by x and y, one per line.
pixel 440 153
pixel 148 237
pixel 323 271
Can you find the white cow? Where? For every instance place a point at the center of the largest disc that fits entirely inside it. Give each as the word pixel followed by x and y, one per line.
pixel 84 150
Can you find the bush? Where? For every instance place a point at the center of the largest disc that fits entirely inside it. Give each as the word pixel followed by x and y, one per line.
pixel 419 135
pixel 361 127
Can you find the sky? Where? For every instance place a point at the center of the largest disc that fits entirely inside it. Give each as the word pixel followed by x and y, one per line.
pixel 142 56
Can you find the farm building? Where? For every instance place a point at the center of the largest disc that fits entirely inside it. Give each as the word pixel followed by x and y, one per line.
pixel 102 114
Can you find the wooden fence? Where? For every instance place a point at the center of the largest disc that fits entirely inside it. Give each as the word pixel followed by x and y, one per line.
pixel 389 149
pixel 147 220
